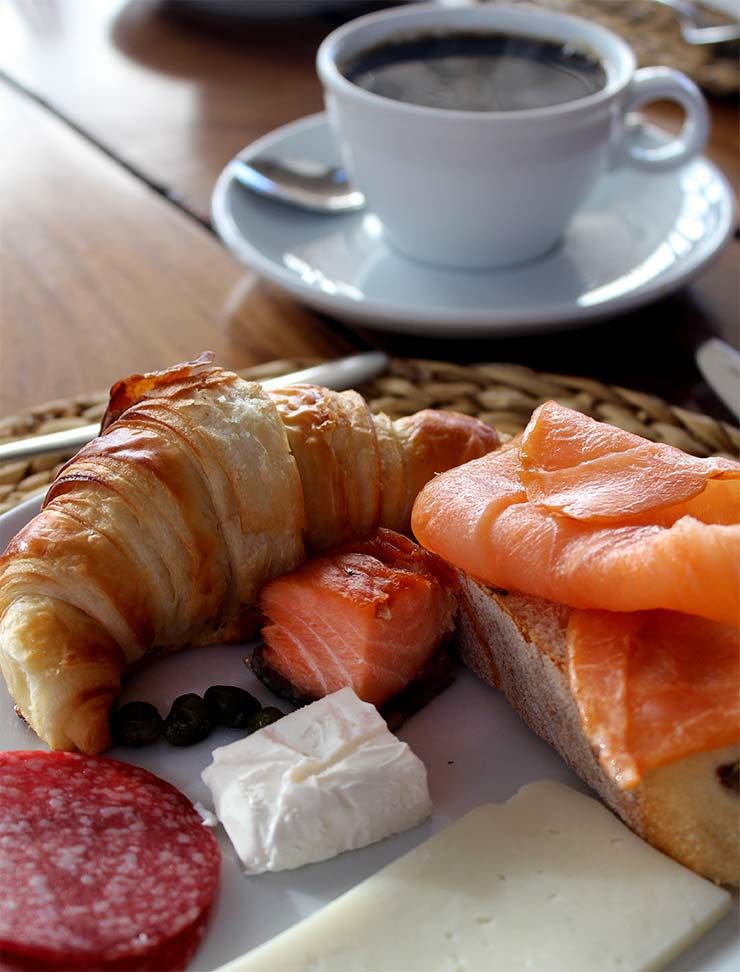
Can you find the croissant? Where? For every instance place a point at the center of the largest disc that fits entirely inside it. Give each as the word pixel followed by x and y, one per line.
pixel 160 532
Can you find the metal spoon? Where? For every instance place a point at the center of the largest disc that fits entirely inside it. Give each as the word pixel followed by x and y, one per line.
pixel 300 182
pixel 699 28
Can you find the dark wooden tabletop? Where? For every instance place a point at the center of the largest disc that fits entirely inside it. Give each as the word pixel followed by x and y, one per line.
pixel 117 118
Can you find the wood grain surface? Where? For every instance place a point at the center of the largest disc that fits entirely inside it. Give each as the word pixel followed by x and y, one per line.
pixel 101 277
pixel 172 94
pixel 116 120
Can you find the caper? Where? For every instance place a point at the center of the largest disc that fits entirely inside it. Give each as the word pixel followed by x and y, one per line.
pixel 188 721
pixel 265 717
pixel 729 776
pixel 136 724
pixel 230 706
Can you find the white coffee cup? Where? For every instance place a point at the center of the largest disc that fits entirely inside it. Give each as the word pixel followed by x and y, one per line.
pixel 479 189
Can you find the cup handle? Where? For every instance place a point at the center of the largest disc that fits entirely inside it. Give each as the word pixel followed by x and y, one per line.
pixel 663 83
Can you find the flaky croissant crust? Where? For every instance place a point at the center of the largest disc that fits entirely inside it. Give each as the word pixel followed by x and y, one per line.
pixel 160 532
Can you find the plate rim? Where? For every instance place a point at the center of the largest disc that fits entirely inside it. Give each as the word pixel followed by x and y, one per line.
pixel 453 322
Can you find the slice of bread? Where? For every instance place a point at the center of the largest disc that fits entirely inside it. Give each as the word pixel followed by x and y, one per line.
pixel 689 809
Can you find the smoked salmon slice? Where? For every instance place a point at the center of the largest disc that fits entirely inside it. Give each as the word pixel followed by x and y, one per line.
pixel 592 471
pixel 652 687
pixel 369 615
pixel 544 518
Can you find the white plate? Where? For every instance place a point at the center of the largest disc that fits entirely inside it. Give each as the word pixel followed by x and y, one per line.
pixel 638 237
pixel 474 746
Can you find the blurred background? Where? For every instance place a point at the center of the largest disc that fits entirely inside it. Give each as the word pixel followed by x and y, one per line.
pixel 118 116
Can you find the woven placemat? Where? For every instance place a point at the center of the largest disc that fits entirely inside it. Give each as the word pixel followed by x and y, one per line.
pixel 653 30
pixel 504 395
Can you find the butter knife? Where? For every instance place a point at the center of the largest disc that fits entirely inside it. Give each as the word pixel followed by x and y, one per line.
pixel 338 374
pixel 719 362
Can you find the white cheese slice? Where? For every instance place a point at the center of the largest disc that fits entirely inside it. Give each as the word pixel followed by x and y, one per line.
pixel 550 880
pixel 327 778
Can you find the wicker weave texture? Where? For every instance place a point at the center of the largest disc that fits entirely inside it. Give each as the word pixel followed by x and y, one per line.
pixel 654 31
pixel 504 395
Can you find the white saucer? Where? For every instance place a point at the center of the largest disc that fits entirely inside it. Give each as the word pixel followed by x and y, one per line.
pixel 638 237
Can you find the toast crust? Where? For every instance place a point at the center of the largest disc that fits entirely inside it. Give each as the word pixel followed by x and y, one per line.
pixel 516 643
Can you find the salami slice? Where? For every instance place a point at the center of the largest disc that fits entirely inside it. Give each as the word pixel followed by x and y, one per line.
pixel 102 866
pixel 172 956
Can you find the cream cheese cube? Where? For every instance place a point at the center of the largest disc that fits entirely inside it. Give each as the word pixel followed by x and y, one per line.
pixel 327 778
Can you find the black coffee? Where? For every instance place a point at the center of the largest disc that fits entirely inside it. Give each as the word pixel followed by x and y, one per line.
pixel 476 72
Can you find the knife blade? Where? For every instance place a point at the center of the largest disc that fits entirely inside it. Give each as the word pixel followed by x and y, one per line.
pixel 719 363
pixel 338 374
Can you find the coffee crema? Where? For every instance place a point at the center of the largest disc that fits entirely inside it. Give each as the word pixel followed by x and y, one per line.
pixel 476 71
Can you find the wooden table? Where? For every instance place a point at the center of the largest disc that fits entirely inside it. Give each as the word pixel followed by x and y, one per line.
pixel 116 119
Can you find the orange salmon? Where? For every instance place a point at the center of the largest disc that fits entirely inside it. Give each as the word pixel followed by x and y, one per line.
pixel 544 518
pixel 643 541
pixel 652 687
pixel 369 615
pixel 595 472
